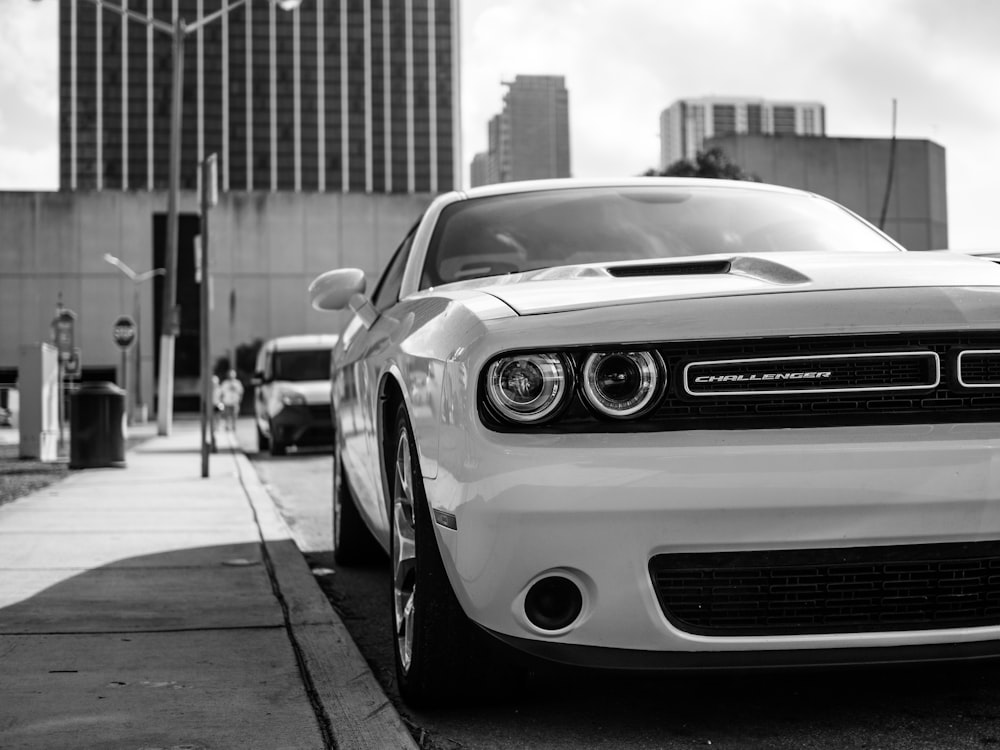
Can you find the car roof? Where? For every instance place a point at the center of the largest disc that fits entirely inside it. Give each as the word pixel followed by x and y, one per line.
pixel 530 186
pixel 303 341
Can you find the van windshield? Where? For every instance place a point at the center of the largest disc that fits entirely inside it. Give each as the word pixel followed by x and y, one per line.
pixel 304 364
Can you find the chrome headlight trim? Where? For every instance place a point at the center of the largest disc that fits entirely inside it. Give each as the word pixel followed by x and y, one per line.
pixel 528 388
pixel 646 369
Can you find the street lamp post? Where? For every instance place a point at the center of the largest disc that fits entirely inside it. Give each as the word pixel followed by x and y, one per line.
pixel 136 279
pixel 169 322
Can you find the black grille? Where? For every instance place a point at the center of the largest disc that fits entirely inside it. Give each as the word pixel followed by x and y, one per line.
pixel 980 368
pixel 319 412
pixel 854 590
pixel 897 371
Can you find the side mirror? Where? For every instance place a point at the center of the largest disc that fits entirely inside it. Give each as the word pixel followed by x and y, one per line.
pixel 333 290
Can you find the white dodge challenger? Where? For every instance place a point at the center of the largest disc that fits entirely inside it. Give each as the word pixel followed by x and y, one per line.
pixel 665 423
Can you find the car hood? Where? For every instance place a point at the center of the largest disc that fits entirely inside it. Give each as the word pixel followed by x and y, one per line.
pixel 569 288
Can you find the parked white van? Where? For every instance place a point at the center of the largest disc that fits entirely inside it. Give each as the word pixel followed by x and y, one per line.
pixel 292 392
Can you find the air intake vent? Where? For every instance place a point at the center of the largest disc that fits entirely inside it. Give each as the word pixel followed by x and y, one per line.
pixel 853 590
pixel 671 269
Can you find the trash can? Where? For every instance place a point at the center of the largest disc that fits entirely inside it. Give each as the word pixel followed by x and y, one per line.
pixel 97 426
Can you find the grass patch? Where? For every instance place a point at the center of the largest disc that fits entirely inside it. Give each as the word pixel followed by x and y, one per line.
pixel 20 477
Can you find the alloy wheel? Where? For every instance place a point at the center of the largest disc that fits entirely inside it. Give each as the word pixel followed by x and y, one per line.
pixel 404 550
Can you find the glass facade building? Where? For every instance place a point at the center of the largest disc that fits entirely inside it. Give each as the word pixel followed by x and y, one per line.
pixel 338 95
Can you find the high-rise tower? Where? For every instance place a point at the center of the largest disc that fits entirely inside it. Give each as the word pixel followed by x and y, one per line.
pixel 338 95
pixel 529 139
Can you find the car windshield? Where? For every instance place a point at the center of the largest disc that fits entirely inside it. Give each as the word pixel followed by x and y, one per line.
pixel 528 231
pixel 302 364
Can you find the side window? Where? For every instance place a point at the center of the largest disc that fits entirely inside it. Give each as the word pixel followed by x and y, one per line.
pixel 387 291
pixel 261 364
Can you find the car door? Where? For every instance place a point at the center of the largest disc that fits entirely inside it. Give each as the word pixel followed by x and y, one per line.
pixel 367 352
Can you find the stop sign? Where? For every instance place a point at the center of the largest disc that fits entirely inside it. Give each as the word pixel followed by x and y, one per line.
pixel 124 331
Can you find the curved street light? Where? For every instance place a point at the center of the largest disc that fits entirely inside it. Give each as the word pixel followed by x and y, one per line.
pixel 136 279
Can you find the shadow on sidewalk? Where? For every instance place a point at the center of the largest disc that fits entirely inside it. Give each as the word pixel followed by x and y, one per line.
pixel 183 647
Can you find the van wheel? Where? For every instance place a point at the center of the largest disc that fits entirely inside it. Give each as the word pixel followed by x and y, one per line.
pixel 278 448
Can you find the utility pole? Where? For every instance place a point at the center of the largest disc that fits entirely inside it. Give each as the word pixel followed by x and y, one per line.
pixel 209 197
pixel 892 171
pixel 170 320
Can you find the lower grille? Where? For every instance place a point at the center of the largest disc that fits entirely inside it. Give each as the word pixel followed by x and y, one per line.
pixel 319 412
pixel 854 590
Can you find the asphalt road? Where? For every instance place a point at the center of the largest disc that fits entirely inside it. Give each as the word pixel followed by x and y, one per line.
pixel 954 706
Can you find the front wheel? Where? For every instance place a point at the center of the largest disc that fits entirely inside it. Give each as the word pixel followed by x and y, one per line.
pixel 433 638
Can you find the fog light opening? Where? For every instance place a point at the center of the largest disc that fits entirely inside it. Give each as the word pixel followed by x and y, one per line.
pixel 553 603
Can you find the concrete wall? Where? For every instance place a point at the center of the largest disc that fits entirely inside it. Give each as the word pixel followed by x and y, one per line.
pixel 265 246
pixel 853 172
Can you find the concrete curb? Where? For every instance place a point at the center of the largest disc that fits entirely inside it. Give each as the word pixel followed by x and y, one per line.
pixel 346 695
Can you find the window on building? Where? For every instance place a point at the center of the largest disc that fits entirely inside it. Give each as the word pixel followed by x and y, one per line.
pixel 784 120
pixel 723 119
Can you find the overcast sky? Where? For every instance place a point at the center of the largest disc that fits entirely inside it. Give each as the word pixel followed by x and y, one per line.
pixel 626 60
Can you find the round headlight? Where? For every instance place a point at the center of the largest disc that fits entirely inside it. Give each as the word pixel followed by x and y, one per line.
pixel 622 384
pixel 526 387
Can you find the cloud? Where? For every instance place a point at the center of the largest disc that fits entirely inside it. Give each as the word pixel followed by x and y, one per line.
pixel 29 169
pixel 29 53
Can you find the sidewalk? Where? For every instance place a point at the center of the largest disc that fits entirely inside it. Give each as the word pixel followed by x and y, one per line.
pixel 149 608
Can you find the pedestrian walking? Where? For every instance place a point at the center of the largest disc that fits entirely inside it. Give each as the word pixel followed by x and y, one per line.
pixel 231 396
pixel 216 402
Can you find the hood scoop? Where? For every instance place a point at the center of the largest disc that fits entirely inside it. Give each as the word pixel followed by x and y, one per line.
pixel 670 269
pixel 749 266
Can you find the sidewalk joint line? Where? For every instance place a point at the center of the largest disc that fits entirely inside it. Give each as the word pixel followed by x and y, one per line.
pixel 144 631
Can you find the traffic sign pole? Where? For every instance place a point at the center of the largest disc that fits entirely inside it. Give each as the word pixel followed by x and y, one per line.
pixel 124 332
pixel 63 331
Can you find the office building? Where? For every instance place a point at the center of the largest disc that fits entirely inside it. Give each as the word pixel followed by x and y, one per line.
pixel 855 172
pixel 686 123
pixel 479 169
pixel 529 139
pixel 336 96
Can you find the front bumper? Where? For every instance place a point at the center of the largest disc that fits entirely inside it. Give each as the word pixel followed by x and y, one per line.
pixel 303 424
pixel 597 508
pixel 681 661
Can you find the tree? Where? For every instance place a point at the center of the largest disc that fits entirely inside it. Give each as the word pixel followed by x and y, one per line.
pixel 712 163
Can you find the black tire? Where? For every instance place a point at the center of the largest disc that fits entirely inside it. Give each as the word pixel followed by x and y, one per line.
pixel 263 442
pixel 433 641
pixel 353 543
pixel 278 448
